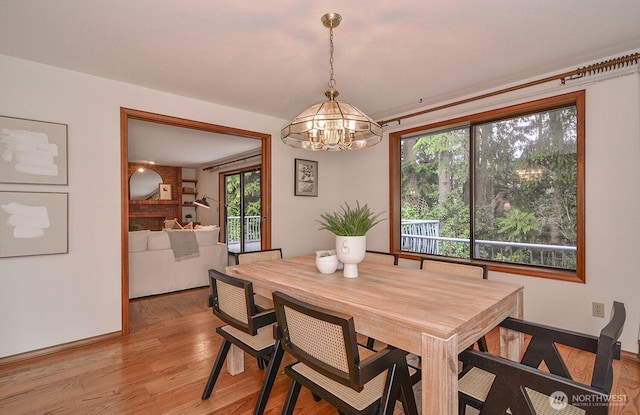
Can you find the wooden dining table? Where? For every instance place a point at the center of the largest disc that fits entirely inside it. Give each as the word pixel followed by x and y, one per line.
pixel 435 316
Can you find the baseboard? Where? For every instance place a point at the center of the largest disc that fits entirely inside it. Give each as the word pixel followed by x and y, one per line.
pixel 34 354
pixel 630 356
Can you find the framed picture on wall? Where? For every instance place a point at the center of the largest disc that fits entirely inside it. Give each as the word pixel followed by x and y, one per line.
pixel 33 152
pixel 33 223
pixel 165 191
pixel 306 178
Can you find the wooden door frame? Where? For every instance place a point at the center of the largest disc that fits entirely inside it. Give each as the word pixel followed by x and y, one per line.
pixel 125 115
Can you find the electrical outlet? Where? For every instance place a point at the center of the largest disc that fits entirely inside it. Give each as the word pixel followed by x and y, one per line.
pixel 597 309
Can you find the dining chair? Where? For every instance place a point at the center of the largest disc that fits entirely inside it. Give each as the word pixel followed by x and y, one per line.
pixel 332 365
pixel 493 384
pixel 255 256
pixel 452 267
pixel 248 327
pixel 380 257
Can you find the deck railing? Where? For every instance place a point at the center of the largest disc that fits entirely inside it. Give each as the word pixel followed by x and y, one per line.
pixel 422 236
pixel 251 229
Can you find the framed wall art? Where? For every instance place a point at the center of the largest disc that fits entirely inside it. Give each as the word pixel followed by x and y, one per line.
pixel 33 152
pixel 164 192
pixel 33 223
pixel 306 178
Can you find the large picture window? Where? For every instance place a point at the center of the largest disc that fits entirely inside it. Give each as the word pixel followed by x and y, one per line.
pixel 502 187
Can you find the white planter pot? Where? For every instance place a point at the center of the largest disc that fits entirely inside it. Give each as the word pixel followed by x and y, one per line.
pixel 351 251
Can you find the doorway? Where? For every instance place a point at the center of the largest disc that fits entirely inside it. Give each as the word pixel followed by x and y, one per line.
pixel 127 114
pixel 242 216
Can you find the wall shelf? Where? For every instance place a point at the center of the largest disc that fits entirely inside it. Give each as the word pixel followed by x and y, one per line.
pixel 188 195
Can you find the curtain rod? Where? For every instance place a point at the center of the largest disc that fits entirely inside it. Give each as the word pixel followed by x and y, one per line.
pixel 605 66
pixel 229 162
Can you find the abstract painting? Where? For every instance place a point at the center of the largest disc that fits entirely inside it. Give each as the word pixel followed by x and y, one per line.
pixel 33 223
pixel 33 152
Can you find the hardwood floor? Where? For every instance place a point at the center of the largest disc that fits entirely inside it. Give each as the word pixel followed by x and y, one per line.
pixel 163 365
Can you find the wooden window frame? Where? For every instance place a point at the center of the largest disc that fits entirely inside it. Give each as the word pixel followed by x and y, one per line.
pixel 574 98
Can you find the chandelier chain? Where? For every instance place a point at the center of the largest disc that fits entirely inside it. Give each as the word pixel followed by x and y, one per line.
pixel 332 81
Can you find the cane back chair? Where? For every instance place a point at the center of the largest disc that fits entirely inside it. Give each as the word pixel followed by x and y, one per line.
pixel 452 267
pixel 255 256
pixel 334 367
pixel 247 327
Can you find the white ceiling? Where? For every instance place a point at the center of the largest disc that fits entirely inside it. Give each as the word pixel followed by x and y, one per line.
pixel 176 146
pixel 271 57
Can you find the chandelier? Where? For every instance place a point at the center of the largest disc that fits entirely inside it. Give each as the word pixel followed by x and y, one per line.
pixel 332 125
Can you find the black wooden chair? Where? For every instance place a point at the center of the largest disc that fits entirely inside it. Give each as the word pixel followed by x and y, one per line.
pixel 334 367
pixel 247 326
pixel 493 384
pixel 255 256
pixel 453 267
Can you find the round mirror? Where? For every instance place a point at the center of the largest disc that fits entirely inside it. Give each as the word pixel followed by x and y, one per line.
pixel 143 185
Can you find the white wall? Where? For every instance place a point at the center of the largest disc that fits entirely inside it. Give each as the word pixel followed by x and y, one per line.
pixel 54 299
pixel 50 300
pixel 208 185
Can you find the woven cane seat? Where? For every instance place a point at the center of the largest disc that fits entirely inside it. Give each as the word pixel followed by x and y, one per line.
pixel 261 341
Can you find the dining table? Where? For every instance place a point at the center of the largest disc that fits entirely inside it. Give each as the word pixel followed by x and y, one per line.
pixel 435 316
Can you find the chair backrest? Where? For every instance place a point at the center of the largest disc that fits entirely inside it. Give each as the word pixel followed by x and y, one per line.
pixel 542 346
pixel 608 348
pixel 321 339
pixel 445 266
pixel 233 301
pixel 255 256
pixel 381 257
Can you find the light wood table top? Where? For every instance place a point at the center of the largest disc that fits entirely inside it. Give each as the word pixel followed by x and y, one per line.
pixel 432 315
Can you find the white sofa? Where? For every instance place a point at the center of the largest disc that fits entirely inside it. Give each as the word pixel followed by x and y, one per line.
pixel 153 268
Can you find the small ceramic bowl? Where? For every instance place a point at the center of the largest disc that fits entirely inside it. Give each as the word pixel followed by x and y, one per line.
pixel 327 264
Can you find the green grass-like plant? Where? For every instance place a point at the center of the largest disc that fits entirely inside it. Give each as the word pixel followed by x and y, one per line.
pixel 350 221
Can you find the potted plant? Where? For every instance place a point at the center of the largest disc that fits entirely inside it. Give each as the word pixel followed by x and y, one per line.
pixel 350 226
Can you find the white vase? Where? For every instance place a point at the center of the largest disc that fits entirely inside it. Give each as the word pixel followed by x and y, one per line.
pixel 351 251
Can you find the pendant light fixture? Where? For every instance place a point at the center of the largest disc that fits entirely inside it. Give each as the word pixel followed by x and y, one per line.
pixel 332 125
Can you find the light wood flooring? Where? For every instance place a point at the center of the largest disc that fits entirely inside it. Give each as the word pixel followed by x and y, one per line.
pixel 163 365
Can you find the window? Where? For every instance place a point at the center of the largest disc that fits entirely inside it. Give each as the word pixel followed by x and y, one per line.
pixel 504 187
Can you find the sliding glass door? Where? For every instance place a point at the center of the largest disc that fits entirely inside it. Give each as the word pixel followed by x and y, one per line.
pixel 244 210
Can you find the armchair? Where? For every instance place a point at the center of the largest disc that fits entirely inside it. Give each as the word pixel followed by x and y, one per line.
pixel 493 384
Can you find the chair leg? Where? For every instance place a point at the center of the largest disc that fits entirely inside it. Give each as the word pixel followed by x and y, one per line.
pixel 391 392
pixel 260 363
pixel 292 397
pixel 482 344
pixel 370 342
pixel 406 391
pixel 269 378
pixel 217 367
pixel 462 407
